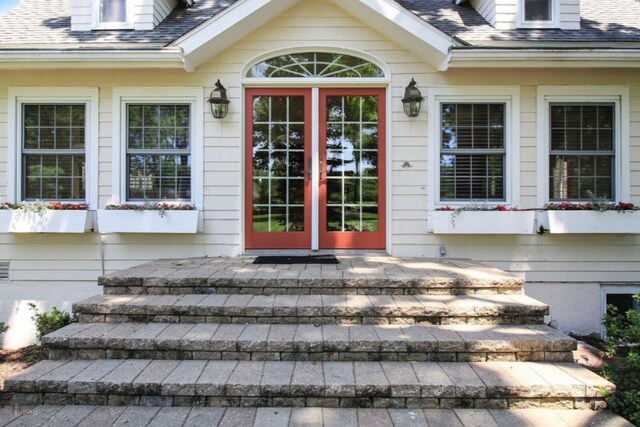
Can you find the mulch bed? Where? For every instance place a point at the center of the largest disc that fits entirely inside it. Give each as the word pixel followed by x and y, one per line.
pixel 14 361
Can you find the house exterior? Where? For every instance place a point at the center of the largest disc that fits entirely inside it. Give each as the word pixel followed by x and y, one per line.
pixel 526 102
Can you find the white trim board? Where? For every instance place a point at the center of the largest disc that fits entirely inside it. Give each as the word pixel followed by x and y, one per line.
pixel 20 95
pixel 161 95
pixel 619 95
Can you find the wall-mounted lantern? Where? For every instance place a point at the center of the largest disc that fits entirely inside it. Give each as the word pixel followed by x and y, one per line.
pixel 412 101
pixel 218 101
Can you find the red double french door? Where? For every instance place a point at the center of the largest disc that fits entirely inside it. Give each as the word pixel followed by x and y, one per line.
pixel 348 159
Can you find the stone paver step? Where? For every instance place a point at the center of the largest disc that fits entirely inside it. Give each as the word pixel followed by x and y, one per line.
pixel 316 309
pixel 95 416
pixel 354 275
pixel 212 341
pixel 486 385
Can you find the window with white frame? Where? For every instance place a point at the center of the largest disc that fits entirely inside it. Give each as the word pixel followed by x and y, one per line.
pixel 112 14
pixel 54 157
pixel 158 145
pixel 584 143
pixel 619 296
pixel 475 132
pixel 158 151
pixel 582 151
pixel 472 151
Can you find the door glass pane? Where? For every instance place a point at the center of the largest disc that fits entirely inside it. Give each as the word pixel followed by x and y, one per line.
pixel 351 163
pixel 278 164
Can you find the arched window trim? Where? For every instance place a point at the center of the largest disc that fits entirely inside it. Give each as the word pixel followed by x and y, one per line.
pixel 322 70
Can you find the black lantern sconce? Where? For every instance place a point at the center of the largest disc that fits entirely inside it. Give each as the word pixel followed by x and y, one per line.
pixel 218 101
pixel 412 101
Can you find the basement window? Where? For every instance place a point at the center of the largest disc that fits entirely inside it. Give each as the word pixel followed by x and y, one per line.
pixel 621 297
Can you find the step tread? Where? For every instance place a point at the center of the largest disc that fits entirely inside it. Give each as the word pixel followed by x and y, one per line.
pixel 312 379
pixel 289 338
pixel 353 271
pixel 330 417
pixel 313 305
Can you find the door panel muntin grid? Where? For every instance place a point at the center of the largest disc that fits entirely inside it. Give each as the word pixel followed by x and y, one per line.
pixel 278 163
pixel 351 164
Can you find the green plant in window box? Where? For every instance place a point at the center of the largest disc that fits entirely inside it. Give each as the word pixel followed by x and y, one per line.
pixel 161 207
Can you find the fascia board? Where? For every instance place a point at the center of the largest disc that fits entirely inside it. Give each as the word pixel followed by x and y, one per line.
pixel 403 27
pixel 82 58
pixel 228 27
pixel 544 58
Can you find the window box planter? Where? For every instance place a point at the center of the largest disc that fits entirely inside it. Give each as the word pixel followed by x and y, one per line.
pixel 482 222
pixel 594 222
pixel 49 221
pixel 148 221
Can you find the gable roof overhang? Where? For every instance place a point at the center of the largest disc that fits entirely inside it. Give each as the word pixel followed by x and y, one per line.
pixel 386 16
pixel 570 57
pixel 20 59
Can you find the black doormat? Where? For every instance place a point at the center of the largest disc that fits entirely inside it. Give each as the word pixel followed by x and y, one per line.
pixel 308 259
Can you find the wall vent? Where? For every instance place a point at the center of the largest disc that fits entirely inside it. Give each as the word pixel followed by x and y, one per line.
pixel 4 270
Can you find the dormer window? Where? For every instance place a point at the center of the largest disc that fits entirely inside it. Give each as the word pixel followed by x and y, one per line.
pixel 538 14
pixel 112 14
pixel 537 10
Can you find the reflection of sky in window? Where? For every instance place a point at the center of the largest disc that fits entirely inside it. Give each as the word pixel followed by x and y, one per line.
pixel 447 160
pixel 453 142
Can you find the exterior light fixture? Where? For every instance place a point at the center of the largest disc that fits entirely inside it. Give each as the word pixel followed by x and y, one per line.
pixel 412 101
pixel 218 101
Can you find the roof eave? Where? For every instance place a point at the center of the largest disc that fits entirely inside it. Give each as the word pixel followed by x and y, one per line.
pixel 544 58
pixel 166 58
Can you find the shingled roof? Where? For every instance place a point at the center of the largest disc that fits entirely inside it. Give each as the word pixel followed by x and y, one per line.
pixel 42 24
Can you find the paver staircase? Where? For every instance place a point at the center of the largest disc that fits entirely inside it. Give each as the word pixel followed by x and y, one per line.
pixel 369 332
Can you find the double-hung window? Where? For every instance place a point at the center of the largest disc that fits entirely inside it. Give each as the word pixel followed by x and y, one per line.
pixel 582 151
pixel 158 153
pixel 54 157
pixel 158 145
pixel 474 134
pixel 583 147
pixel 472 152
pixel 53 151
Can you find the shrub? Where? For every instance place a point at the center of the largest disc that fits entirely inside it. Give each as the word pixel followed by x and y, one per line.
pixel 50 321
pixel 3 327
pixel 623 338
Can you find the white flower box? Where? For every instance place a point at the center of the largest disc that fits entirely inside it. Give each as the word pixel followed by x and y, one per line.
pixel 583 222
pixel 48 221
pixel 482 222
pixel 148 221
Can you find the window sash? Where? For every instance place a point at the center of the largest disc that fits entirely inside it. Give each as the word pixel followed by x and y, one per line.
pixel 113 11
pixel 146 167
pixel 543 9
pixel 473 180
pixel 57 171
pixel 577 174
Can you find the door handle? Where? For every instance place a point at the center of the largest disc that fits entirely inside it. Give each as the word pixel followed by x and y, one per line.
pixel 321 169
pixel 309 162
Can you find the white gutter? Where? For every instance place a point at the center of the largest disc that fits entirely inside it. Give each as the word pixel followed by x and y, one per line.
pixel 91 58
pixel 544 58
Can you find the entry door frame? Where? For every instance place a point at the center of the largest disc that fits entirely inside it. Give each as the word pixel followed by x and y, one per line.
pixel 287 240
pixel 314 85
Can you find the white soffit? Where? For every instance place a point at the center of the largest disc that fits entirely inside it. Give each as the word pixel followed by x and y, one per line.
pixel 403 27
pixel 227 28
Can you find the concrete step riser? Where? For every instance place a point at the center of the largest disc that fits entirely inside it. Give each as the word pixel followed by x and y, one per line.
pixel 309 400
pixel 317 320
pixel 324 356
pixel 277 289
